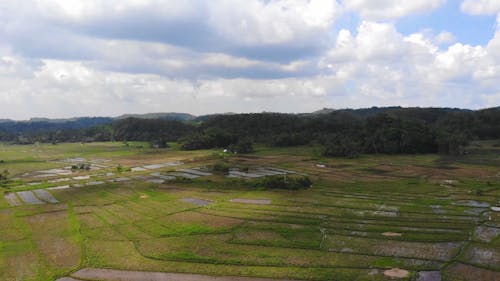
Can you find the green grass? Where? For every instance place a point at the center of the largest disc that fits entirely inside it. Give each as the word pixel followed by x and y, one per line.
pixel 334 228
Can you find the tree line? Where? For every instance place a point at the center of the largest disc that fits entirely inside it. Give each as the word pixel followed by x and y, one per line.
pixel 344 133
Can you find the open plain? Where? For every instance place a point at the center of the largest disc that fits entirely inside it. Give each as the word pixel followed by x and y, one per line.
pixel 139 213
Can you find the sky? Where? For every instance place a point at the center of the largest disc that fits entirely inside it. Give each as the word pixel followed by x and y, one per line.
pixel 65 58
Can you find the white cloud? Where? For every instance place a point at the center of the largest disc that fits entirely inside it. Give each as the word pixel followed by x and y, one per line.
pixel 220 59
pixel 74 11
pixel 236 22
pixel 390 9
pixel 445 37
pixel 481 7
pixel 63 89
pixel 386 67
pixel 93 57
pixel 272 22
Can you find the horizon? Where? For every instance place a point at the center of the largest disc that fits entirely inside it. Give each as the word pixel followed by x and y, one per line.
pixel 60 59
pixel 234 113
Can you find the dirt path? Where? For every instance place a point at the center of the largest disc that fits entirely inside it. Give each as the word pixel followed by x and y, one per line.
pixel 124 275
pixel 251 201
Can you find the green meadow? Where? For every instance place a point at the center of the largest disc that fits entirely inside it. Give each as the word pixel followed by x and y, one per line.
pixel 362 219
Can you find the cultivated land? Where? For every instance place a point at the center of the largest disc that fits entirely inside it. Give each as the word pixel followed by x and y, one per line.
pixel 165 214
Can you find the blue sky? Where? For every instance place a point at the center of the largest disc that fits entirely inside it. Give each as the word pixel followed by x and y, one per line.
pixel 469 29
pixel 62 58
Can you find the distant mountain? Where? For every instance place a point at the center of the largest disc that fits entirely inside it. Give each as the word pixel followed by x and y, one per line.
pixel 44 124
pixel 168 115
pixel 203 118
pixel 34 125
pixel 38 124
pixel 322 111
pixel 360 111
pixel 429 114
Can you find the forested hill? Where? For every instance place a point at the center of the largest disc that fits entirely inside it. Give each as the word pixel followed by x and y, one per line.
pixel 429 114
pixel 345 132
pixel 37 125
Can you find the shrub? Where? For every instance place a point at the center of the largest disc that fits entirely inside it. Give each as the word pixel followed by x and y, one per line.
pixel 121 169
pixel 284 182
pixel 220 167
pixel 80 166
pixel 4 177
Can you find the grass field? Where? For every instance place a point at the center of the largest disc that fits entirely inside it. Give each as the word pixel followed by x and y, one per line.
pixel 362 219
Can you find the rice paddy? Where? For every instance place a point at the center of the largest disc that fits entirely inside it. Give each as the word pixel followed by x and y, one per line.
pixel 176 219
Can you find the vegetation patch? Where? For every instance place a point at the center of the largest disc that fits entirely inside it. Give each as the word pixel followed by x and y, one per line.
pixel 353 224
pixel 282 182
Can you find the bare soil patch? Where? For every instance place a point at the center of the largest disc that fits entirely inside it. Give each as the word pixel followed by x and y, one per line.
pixel 198 202
pixel 91 183
pixel 392 234
pixel 251 201
pixel 124 275
pixel 486 234
pixel 59 187
pixel 154 166
pixel 442 251
pixel 81 178
pixel 138 169
pixel 12 199
pixel 459 271
pixel 59 180
pixel 396 273
pixel 483 255
pixel 54 239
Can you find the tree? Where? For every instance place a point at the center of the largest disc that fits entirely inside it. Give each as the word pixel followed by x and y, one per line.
pixel 242 146
pixel 4 177
pixel 341 146
pixel 454 131
pixel 159 143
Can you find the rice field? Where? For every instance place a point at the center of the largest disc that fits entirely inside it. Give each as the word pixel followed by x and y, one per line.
pixel 406 217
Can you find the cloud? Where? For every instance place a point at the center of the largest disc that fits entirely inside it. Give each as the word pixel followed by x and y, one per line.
pixel 390 9
pixel 280 30
pixel 481 7
pixel 271 22
pixel 445 37
pixel 386 67
pixel 65 58
pixel 63 89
